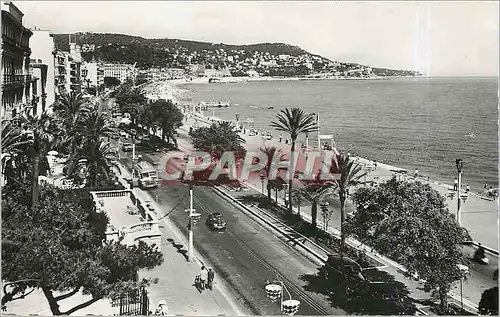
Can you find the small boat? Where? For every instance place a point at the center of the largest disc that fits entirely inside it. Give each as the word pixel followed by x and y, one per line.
pixel 471 135
pixel 271 107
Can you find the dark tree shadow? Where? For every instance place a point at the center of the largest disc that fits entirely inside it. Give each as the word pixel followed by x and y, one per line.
pixel 180 248
pixel 382 295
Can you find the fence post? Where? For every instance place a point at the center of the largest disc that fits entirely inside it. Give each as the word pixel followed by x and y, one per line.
pixel 144 302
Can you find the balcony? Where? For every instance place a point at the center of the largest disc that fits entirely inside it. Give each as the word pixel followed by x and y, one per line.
pixel 15 80
pixel 15 43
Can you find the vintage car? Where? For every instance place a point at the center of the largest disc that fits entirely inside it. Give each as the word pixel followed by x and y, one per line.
pixel 215 221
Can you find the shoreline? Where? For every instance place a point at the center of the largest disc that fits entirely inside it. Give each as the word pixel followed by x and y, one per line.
pixel 235 80
pixel 479 214
pixel 426 179
pixel 174 87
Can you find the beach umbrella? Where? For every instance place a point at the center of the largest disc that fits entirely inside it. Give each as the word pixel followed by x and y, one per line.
pixel 162 302
pixel 52 153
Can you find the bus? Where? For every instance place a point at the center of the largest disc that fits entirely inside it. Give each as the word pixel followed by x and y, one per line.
pixel 147 175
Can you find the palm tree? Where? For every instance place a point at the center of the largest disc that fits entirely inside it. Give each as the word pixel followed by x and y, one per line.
pixel 14 143
pixel 314 191
pixel 350 175
pixel 294 121
pixel 271 153
pixel 131 101
pixel 69 109
pixel 69 106
pixel 42 130
pixel 97 158
pixel 94 125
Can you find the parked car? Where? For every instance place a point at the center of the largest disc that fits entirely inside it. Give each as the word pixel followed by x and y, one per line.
pixel 127 147
pixel 215 221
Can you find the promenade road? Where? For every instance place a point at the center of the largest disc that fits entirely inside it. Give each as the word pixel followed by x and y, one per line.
pixel 246 254
pixel 481 277
pixel 176 276
pixel 479 215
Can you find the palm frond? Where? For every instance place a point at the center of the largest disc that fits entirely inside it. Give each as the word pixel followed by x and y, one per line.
pixel 294 121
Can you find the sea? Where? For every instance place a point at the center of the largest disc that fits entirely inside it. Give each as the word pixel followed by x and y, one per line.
pixel 411 123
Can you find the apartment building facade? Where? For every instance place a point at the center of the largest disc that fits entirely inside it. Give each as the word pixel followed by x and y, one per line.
pixel 61 73
pixel 17 81
pixel 68 70
pixel 75 64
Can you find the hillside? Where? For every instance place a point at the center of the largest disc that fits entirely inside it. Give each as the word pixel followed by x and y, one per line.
pixel 271 59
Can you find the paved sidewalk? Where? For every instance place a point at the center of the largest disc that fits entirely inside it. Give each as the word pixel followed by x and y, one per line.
pixel 176 275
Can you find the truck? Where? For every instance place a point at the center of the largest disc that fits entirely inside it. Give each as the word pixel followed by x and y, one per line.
pixel 146 174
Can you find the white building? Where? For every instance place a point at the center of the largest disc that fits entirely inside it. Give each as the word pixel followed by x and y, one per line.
pixel 42 49
pixel 271 63
pixel 120 71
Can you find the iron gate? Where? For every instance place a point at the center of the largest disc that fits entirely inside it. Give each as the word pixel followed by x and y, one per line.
pixel 134 303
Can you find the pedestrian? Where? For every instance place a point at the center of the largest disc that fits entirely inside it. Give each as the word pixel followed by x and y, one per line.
pixel 416 172
pixel 467 188
pixel 375 163
pixel 211 276
pixel 455 184
pixel 203 277
pixel 281 138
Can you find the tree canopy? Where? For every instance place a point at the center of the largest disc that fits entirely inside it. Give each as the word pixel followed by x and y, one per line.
pixel 58 247
pixel 164 115
pixel 217 139
pixel 410 223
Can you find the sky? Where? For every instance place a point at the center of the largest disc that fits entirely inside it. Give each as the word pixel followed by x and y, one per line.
pixel 438 38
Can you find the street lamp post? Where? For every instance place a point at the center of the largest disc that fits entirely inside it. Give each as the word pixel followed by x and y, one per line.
pixel 193 219
pixel 459 164
pixel 262 177
pixel 274 290
pixel 307 144
pixel 190 225
pixel 285 189
pixel 324 212
pixel 464 270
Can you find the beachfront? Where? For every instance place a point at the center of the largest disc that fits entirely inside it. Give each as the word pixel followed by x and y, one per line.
pixel 479 213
